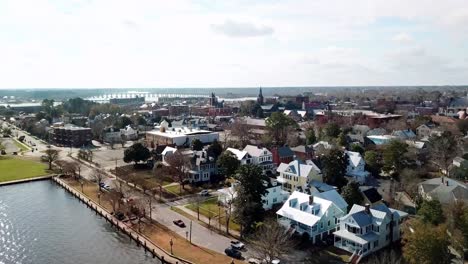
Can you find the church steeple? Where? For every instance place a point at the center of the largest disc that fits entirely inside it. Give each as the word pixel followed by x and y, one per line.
pixel 260 97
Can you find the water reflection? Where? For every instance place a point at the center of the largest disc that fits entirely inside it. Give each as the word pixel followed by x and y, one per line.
pixel 41 223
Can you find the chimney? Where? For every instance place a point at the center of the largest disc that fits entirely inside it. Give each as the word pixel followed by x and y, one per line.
pixel 367 208
pixel 311 199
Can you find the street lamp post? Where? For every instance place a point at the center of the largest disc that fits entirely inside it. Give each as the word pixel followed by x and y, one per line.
pixel 171 243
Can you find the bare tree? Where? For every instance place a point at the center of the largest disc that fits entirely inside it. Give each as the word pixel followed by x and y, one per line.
pixel 241 131
pixel 138 209
pixel 115 198
pixel 196 201
pixel 77 166
pixel 50 156
pixel 271 241
pixel 177 167
pixel 98 175
pixel 386 257
pixel 69 168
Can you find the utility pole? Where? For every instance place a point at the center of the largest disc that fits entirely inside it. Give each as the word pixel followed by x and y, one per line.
pixel 190 231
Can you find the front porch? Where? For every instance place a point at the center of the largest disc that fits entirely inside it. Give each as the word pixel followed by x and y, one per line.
pixel 353 244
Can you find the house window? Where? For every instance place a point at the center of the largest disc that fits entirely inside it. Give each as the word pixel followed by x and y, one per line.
pixel 321 225
pixel 274 189
pixel 275 200
pixel 387 237
pixel 376 243
pixel 328 222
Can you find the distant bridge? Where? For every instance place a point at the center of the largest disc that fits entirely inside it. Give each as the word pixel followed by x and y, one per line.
pixel 149 97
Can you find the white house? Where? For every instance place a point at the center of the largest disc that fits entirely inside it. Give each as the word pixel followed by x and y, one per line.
pixel 365 230
pixel 111 134
pixel 298 174
pixel 128 133
pixel 241 155
pixel 261 157
pixel 356 167
pixel 167 151
pixel 274 195
pixel 315 215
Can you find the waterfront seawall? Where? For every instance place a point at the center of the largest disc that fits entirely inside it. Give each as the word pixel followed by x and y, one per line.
pixel 141 240
pixel 27 180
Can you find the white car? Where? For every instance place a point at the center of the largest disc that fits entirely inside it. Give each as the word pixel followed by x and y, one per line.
pixel 204 193
pixel 237 244
pixel 258 261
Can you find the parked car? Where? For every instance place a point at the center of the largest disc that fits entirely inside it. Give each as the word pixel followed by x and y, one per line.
pixel 237 244
pixel 254 261
pixel 205 193
pixel 231 252
pixel 179 223
pixel 264 261
pixel 120 216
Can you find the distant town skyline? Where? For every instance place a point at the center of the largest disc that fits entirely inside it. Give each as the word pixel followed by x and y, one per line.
pixel 177 43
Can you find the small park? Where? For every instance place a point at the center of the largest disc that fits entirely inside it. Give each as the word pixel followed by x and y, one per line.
pixel 20 168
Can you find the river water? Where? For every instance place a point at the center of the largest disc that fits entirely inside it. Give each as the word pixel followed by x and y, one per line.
pixel 40 223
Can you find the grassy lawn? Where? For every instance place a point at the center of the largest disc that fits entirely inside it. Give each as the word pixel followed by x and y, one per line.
pixel 175 189
pixel 210 208
pixel 13 168
pixel 148 175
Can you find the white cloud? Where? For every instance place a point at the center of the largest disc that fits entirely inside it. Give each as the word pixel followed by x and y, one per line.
pixel 241 29
pixel 159 43
pixel 403 38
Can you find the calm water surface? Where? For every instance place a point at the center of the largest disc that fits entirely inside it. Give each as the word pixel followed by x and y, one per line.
pixel 41 223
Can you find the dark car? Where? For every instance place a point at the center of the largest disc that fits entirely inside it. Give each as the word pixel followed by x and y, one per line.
pixel 179 223
pixel 120 216
pixel 231 252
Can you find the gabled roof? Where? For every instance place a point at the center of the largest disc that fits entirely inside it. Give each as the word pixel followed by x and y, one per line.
pixel 334 197
pixel 298 168
pixel 302 149
pixel 285 152
pixel 168 150
pixel 297 208
pixel 240 154
pixel 355 158
pixel 323 144
pixel 377 214
pixel 254 151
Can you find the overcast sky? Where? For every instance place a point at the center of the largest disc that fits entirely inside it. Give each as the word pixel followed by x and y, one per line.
pixel 176 43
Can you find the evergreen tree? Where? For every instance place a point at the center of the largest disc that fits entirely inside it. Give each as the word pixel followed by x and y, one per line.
pixel 334 168
pixel 431 212
pixel 248 202
pixel 227 164
pixel 197 145
pixel 351 194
